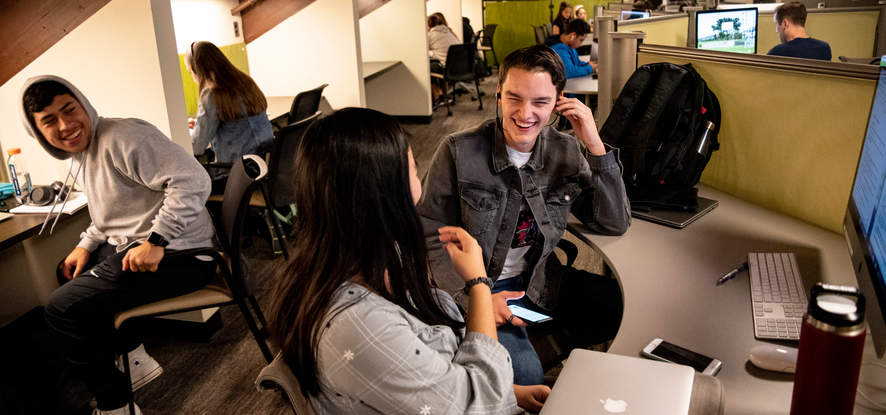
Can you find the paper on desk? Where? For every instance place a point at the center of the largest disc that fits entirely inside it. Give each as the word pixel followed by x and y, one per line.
pixel 75 203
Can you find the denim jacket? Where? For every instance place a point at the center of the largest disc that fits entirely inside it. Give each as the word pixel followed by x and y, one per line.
pixel 471 183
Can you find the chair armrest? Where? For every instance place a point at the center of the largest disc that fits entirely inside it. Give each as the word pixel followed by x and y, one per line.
pixel 436 75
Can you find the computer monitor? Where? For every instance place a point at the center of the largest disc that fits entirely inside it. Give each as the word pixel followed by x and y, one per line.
pixel 733 30
pixel 865 223
pixel 631 14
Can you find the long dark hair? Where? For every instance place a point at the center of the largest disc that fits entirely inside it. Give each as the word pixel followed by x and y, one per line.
pixel 236 95
pixel 356 218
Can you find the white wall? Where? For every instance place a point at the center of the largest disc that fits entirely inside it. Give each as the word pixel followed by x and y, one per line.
pixel 319 44
pixel 407 42
pixel 451 10
pixel 208 20
pixel 473 10
pixel 114 59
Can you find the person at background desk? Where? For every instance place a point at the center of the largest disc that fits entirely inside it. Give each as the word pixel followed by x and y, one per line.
pixel 440 38
pixel 790 23
pixel 574 36
pixel 231 113
pixel 511 182
pixel 564 16
pixel 146 202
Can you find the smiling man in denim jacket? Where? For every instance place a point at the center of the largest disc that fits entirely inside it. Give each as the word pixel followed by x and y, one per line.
pixel 511 183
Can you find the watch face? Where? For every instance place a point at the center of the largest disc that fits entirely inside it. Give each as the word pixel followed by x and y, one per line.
pixel 157 239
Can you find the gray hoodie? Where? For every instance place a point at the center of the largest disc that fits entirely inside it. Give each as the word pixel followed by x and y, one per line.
pixel 137 181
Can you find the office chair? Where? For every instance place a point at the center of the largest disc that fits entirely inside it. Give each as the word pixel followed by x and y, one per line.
pixel 229 285
pixel 539 34
pixel 305 104
pixel 486 37
pixel 277 376
pixel 549 29
pixel 460 67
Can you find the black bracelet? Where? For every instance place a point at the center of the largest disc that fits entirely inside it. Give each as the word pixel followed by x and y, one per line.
pixel 476 281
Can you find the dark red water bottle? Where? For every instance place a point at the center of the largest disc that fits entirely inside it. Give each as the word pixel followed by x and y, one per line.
pixel 829 358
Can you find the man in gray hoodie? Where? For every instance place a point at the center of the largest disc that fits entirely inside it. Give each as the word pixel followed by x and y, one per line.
pixel 146 201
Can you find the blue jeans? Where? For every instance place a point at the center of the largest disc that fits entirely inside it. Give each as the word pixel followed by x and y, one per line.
pixel 524 359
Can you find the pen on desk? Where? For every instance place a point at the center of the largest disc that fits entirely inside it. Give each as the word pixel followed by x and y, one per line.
pixel 731 274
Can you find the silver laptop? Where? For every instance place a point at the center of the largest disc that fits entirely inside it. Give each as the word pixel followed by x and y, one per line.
pixel 603 383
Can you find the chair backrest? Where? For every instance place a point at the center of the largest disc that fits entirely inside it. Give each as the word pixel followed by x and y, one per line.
pixel 488 33
pixel 460 61
pixel 305 104
pixel 235 204
pixel 278 375
pixel 280 186
pixel 539 34
pixel 548 28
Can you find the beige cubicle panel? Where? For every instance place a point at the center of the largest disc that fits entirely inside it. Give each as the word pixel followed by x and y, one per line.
pixel 850 32
pixel 670 30
pixel 791 129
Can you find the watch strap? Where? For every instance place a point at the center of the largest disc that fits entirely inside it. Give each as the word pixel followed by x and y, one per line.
pixel 157 240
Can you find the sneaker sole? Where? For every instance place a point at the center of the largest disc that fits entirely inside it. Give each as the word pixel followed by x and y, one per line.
pixel 146 379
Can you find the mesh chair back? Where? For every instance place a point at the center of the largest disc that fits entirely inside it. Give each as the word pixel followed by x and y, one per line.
pixel 281 189
pixel 539 34
pixel 305 104
pixel 460 62
pixel 488 33
pixel 235 204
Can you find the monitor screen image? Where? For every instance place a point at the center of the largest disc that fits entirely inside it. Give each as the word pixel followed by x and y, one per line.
pixel 630 14
pixel 727 30
pixel 865 224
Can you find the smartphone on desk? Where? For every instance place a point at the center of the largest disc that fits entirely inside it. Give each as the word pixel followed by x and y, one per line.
pixel 529 316
pixel 659 349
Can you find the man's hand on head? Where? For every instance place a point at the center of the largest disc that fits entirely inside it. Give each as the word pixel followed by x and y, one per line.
pixel 73 264
pixel 582 120
pixel 143 258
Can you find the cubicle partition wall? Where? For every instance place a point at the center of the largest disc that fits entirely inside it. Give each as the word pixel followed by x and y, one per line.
pixel 669 30
pixel 851 32
pixel 791 128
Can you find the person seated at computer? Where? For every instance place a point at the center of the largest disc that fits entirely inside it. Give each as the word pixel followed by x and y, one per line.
pixel 512 182
pixel 232 110
pixel 440 38
pixel 564 16
pixel 146 201
pixel 357 318
pixel 790 23
pixel 569 41
pixel 580 13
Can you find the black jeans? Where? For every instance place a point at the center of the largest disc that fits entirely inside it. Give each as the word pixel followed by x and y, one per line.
pixel 81 313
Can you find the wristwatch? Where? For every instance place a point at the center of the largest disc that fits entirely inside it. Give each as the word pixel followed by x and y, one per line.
pixel 157 240
pixel 476 281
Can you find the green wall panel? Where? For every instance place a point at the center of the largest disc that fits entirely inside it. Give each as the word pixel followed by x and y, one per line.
pixel 516 18
pixel 235 53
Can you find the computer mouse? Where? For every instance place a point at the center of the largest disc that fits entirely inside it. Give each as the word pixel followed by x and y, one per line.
pixel 774 357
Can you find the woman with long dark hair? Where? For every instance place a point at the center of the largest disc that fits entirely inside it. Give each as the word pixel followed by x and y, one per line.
pixel 564 16
pixel 231 112
pixel 355 313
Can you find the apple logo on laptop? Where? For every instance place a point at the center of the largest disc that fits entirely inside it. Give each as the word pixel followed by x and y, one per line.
pixel 614 406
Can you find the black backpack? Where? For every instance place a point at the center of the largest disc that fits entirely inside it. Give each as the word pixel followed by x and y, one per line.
pixel 658 122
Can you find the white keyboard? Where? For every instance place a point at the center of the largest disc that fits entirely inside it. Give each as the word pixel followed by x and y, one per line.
pixel 777 295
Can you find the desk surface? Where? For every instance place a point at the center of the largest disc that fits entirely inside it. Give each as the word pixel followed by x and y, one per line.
pixel 668 280
pixel 19 228
pixel 581 85
pixel 372 69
